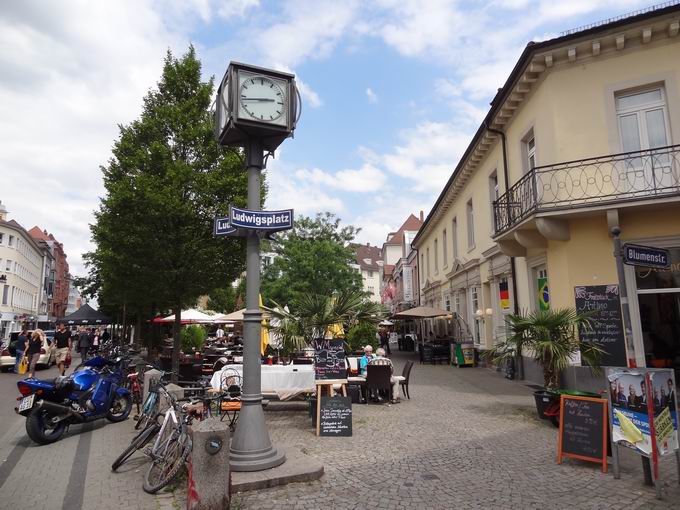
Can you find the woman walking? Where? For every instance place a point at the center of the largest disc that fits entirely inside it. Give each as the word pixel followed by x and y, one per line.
pixel 32 350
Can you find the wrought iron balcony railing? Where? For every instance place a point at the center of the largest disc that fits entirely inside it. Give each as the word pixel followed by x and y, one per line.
pixel 594 181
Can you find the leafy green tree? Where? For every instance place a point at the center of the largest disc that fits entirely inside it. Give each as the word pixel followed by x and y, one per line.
pixel 222 300
pixel 361 335
pixel 167 180
pixel 314 257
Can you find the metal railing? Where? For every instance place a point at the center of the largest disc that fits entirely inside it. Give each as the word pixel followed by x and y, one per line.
pixel 621 177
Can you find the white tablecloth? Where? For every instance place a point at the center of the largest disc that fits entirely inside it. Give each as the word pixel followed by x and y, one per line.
pixel 284 380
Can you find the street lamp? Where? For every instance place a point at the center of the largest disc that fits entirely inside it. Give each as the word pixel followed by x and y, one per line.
pixel 256 109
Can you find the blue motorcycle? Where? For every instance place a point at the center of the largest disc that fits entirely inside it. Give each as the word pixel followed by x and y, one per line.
pixel 92 392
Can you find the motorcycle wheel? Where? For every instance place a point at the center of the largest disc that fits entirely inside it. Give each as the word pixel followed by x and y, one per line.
pixel 120 409
pixel 38 427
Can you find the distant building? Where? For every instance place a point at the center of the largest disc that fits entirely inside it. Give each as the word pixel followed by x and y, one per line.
pixel 400 286
pixel 369 264
pixel 59 274
pixel 75 300
pixel 21 276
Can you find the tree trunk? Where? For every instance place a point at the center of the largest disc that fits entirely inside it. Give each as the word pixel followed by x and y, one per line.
pixel 123 337
pixel 176 343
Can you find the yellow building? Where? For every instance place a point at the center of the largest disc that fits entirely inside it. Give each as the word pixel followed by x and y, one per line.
pixel 583 137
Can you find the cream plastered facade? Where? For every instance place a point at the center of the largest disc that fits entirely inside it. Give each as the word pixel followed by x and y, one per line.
pixel 563 94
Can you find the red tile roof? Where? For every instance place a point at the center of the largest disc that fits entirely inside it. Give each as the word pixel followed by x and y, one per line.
pixel 412 223
pixel 367 252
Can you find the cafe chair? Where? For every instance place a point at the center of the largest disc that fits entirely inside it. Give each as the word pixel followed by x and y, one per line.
pixel 378 379
pixel 404 378
pixel 230 398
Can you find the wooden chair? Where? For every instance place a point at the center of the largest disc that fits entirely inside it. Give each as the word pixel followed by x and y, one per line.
pixel 230 399
pixel 378 379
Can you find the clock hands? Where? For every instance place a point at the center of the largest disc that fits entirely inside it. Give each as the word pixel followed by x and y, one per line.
pixel 261 99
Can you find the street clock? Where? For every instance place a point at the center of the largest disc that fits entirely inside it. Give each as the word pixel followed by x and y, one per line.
pixel 253 102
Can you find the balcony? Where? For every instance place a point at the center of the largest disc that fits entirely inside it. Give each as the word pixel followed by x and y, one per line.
pixel 612 179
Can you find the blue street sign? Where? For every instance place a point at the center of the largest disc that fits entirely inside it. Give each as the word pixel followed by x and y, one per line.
pixel 271 221
pixel 647 256
pixel 223 227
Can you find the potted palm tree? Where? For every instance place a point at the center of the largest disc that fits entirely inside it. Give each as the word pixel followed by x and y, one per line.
pixel 551 338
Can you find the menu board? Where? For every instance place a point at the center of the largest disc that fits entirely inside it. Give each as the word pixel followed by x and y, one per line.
pixel 336 416
pixel 329 359
pixel 583 429
pixel 607 327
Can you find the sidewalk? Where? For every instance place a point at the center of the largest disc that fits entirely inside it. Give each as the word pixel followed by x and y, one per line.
pixel 468 438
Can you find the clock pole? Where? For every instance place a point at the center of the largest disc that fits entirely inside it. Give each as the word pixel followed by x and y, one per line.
pixel 251 448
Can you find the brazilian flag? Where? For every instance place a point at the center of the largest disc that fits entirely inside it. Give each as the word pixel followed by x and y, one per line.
pixel 543 294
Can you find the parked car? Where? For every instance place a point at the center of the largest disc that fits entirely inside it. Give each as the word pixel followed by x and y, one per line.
pixel 47 356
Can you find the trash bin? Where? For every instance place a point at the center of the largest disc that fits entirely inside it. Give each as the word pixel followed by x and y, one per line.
pixel 465 355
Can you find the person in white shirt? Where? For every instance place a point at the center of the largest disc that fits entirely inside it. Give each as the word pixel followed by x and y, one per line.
pixel 380 359
pixel 219 333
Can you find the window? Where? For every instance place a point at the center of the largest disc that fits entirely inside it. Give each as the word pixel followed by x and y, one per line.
pixel 470 225
pixel 454 237
pixel 531 152
pixel 436 256
pixel 8 265
pixel 494 194
pixel 428 262
pixel 2 236
pixel 10 241
pixel 422 267
pixel 447 303
pixel 445 249
pixel 5 293
pixel 643 124
pixel 456 302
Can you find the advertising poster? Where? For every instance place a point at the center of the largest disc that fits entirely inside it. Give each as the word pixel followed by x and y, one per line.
pixel 631 391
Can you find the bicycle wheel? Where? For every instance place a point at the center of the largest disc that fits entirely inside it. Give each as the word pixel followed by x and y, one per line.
pixel 164 468
pixel 137 443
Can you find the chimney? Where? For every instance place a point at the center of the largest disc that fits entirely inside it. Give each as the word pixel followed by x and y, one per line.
pixel 368 245
pixel 3 212
pixel 421 216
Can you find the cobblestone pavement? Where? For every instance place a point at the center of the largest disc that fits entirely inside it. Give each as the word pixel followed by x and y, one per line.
pixel 73 473
pixel 468 438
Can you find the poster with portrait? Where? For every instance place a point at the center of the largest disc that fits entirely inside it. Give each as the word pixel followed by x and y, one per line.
pixel 665 405
pixel 633 418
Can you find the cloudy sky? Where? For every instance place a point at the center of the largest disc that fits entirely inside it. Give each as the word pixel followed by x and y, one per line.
pixel 392 89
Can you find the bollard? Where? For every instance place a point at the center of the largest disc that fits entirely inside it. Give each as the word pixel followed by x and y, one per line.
pixel 209 476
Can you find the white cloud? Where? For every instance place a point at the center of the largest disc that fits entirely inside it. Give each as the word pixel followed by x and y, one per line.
pixel 230 8
pixel 372 96
pixel 364 180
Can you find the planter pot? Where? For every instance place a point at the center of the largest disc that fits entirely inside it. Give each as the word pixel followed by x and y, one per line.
pixel 544 399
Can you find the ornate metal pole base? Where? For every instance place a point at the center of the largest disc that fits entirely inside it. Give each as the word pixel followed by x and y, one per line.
pixel 251 448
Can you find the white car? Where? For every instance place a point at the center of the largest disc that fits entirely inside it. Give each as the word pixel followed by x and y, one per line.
pixel 47 358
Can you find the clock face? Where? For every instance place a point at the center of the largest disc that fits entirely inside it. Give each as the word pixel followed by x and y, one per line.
pixel 262 99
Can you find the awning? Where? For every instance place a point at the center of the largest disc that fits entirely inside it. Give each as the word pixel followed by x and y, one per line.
pixel 191 316
pixel 86 315
pixel 421 312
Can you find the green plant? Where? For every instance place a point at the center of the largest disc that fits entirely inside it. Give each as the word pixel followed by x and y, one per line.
pixel 362 334
pixel 193 337
pixel 551 338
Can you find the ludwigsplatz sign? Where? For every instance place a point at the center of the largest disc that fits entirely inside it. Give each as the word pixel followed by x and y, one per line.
pixel 647 256
pixel 223 227
pixel 272 221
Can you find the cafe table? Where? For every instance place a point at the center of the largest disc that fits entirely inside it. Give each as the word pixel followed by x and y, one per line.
pixel 286 381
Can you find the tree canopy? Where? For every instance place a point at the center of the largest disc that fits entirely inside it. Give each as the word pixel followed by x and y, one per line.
pixel 167 180
pixel 315 257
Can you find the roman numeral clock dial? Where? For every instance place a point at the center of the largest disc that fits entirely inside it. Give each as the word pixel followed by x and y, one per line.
pixel 262 99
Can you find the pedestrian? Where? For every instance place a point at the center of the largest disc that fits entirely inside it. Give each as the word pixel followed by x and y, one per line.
pixel 105 335
pixel 96 336
pixel 32 348
pixel 219 333
pixel 385 340
pixel 83 343
pixel 62 341
pixel 20 349
pixel 380 359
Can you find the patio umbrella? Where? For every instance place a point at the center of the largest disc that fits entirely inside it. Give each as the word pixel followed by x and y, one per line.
pixel 421 312
pixel 336 330
pixel 191 316
pixel 386 323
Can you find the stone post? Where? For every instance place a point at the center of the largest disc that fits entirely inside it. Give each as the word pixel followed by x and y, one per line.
pixel 209 475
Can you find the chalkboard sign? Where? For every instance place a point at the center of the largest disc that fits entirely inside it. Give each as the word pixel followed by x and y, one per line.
pixel 336 416
pixel 329 359
pixel 607 327
pixel 583 429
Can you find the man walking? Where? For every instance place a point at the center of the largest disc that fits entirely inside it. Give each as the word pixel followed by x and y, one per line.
pixel 62 340
pixel 83 343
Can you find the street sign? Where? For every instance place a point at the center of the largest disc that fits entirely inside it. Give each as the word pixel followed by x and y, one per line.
pixel 647 256
pixel 271 221
pixel 223 227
